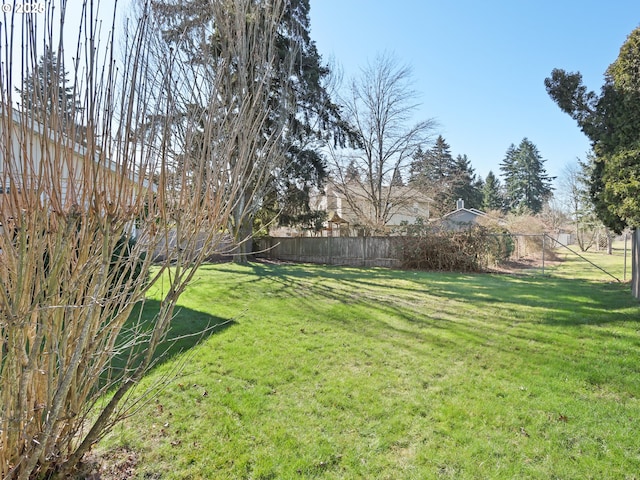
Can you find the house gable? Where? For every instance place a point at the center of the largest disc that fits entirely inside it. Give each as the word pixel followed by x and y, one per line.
pixel 461 217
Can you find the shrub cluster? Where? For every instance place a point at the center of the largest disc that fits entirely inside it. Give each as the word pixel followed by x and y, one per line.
pixel 468 250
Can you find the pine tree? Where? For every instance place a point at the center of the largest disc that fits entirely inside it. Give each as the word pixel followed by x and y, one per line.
pixel 352 173
pixel 433 166
pixel 432 172
pixel 396 179
pixel 46 93
pixel 299 101
pixel 465 184
pixel 526 182
pixel 509 169
pixel 611 120
pixel 492 198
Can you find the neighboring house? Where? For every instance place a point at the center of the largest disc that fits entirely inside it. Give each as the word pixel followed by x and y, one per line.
pixel 35 158
pixel 461 217
pixel 350 213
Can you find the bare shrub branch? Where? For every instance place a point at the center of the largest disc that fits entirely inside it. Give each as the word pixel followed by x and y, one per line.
pixel 93 192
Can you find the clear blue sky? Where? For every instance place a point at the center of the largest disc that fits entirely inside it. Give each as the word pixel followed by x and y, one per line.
pixel 479 66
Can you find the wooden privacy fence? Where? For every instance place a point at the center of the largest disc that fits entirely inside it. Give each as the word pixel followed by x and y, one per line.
pixel 376 252
pixel 351 251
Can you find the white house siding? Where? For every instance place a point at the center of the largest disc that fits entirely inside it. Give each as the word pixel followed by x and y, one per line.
pixel 31 157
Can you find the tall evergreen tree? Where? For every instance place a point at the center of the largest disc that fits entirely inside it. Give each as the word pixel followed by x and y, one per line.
pixel 492 198
pixel 509 169
pixel 445 179
pixel 47 94
pixel 432 172
pixel 527 184
pixel 396 179
pixel 301 105
pixel 611 120
pixel 352 172
pixel 434 165
pixel 465 184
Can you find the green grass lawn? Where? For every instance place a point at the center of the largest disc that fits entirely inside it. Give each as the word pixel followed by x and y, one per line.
pixel 345 373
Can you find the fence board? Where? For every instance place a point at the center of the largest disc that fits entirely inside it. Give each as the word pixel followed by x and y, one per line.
pixel 351 251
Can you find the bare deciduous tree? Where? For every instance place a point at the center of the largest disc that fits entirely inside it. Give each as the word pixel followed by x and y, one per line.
pixel 379 107
pixel 575 193
pixel 68 276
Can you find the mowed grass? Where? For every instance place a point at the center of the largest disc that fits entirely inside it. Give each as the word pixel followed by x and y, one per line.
pixel 345 373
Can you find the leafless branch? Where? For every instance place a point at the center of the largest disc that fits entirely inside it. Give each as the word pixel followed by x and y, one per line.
pixel 76 186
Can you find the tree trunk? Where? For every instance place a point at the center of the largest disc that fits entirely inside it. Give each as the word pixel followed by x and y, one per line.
pixel 244 248
pixel 242 230
pixel 579 237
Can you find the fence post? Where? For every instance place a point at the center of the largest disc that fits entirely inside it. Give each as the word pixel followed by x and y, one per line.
pixel 635 263
pixel 364 251
pixel 544 237
pixel 624 271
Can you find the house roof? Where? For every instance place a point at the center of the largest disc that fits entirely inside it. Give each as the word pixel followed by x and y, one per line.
pixel 335 218
pixel 396 191
pixel 473 211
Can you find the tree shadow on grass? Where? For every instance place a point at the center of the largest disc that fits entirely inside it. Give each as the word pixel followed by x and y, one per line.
pixel 567 302
pixel 188 329
pixel 537 320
